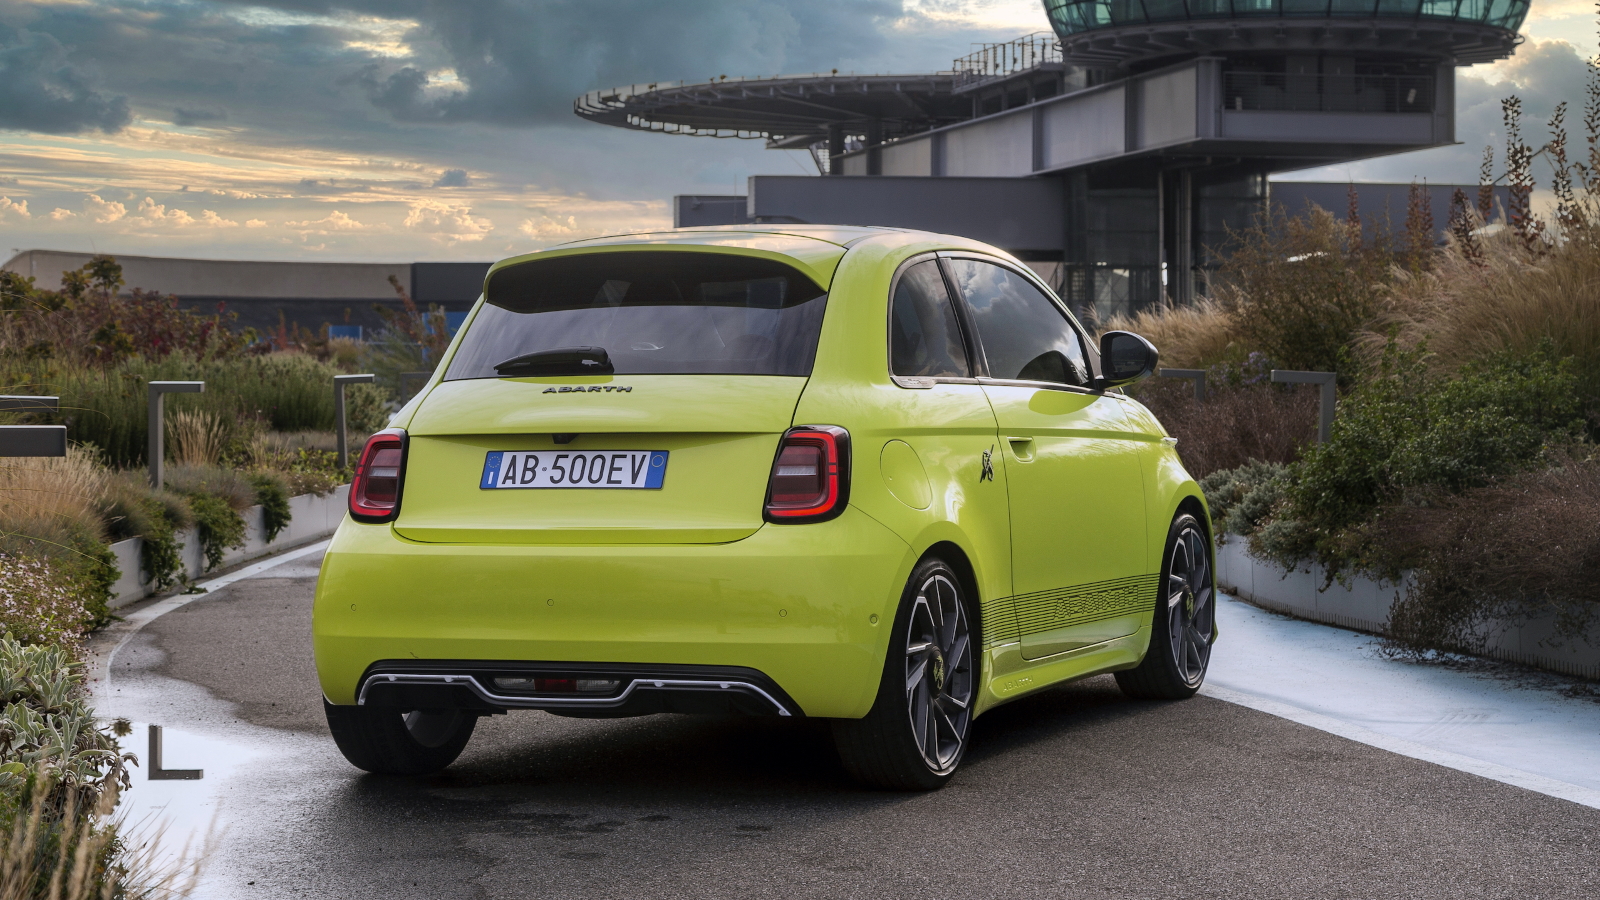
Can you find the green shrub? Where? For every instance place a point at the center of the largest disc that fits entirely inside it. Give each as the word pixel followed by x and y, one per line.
pixel 272 494
pixel 216 497
pixel 366 408
pixel 1241 499
pixel 133 510
pixel 60 776
pixel 51 729
pixel 1403 430
pixel 220 526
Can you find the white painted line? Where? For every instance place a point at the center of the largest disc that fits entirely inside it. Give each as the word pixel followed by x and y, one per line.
pixel 1492 771
pixel 100 670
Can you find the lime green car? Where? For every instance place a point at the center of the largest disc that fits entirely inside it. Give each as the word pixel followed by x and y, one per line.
pixel 872 475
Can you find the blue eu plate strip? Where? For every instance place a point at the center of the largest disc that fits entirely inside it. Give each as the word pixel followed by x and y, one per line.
pixel 491 468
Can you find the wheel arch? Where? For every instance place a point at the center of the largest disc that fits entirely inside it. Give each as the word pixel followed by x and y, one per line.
pixel 955 556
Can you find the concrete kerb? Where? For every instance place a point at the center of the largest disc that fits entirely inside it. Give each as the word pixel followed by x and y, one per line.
pixel 1364 604
pixel 311 518
pixel 1494 772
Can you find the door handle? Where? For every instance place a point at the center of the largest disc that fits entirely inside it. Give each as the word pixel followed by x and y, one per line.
pixel 1021 447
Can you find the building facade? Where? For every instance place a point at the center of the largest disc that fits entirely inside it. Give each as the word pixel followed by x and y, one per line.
pixel 1118 150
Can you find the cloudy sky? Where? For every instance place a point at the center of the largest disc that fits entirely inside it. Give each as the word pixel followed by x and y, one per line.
pixel 430 129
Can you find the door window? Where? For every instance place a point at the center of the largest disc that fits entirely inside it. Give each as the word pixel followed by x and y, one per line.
pixel 1024 335
pixel 926 341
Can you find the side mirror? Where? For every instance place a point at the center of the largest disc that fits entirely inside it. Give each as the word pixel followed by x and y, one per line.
pixel 1125 358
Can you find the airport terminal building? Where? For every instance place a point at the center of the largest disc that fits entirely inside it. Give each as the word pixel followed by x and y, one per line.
pixel 1112 153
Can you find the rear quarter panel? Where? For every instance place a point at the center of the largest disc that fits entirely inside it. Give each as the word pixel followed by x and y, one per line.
pixel 1167 484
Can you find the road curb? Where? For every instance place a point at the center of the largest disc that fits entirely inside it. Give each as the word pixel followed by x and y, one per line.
pixel 1539 784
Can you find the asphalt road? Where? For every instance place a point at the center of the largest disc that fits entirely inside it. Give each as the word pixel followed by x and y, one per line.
pixel 1077 792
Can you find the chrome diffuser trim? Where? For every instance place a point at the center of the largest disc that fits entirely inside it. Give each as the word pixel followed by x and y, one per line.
pixel 524 702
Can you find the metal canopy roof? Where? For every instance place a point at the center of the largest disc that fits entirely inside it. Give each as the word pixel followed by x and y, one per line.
pixel 790 111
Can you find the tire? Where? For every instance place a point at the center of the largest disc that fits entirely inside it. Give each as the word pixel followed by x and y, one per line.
pixel 916 733
pixel 1185 619
pixel 389 741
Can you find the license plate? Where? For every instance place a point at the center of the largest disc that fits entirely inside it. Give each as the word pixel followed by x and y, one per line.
pixel 639 469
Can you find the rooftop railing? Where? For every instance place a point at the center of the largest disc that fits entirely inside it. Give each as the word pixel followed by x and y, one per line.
pixel 991 61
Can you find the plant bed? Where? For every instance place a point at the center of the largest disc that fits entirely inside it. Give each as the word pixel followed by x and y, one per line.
pixel 1364 604
pixel 313 517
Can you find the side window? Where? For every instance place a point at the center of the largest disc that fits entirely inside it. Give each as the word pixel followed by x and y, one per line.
pixel 1024 334
pixel 925 340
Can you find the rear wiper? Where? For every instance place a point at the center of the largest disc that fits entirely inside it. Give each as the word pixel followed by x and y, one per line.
pixel 560 361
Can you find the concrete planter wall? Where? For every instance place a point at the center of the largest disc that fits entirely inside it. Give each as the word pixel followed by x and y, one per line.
pixel 1364 606
pixel 311 518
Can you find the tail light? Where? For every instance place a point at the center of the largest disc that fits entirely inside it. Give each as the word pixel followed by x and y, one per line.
pixel 811 476
pixel 380 473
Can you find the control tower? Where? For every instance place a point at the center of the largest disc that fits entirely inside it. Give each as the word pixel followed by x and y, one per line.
pixel 1113 152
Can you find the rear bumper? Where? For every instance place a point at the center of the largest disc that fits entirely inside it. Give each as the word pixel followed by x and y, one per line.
pixel 794 605
pixel 638 690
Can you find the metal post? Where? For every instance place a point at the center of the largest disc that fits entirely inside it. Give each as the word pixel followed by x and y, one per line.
pixel 31 440
pixel 157 772
pixel 157 445
pixel 339 382
pixel 1198 376
pixel 1329 397
pixel 28 403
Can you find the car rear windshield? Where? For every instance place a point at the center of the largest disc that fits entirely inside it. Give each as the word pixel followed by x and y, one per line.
pixel 653 312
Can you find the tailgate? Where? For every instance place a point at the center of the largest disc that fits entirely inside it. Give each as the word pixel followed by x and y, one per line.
pixel 719 433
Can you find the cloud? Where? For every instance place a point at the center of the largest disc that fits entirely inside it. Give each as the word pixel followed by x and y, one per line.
pixel 255 223
pixel 550 228
pixel 449 224
pixel 156 213
pixel 453 178
pixel 210 217
pixel 332 222
pixel 187 117
pixel 519 62
pixel 40 90
pixel 103 212
pixel 9 207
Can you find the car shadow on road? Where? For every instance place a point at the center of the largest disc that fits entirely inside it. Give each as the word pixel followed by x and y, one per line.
pixel 528 758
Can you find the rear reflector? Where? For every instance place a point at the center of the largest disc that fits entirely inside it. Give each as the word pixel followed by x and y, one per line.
pixel 811 476
pixel 558 685
pixel 379 476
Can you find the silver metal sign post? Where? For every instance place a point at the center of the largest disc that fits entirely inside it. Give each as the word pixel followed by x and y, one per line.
pixel 1198 376
pixel 31 440
pixel 339 382
pixel 1329 396
pixel 157 445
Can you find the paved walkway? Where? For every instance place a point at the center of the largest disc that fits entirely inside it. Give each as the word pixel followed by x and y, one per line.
pixel 1500 721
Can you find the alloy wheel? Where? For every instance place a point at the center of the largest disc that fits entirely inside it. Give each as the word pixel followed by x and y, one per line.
pixel 939 682
pixel 1191 604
